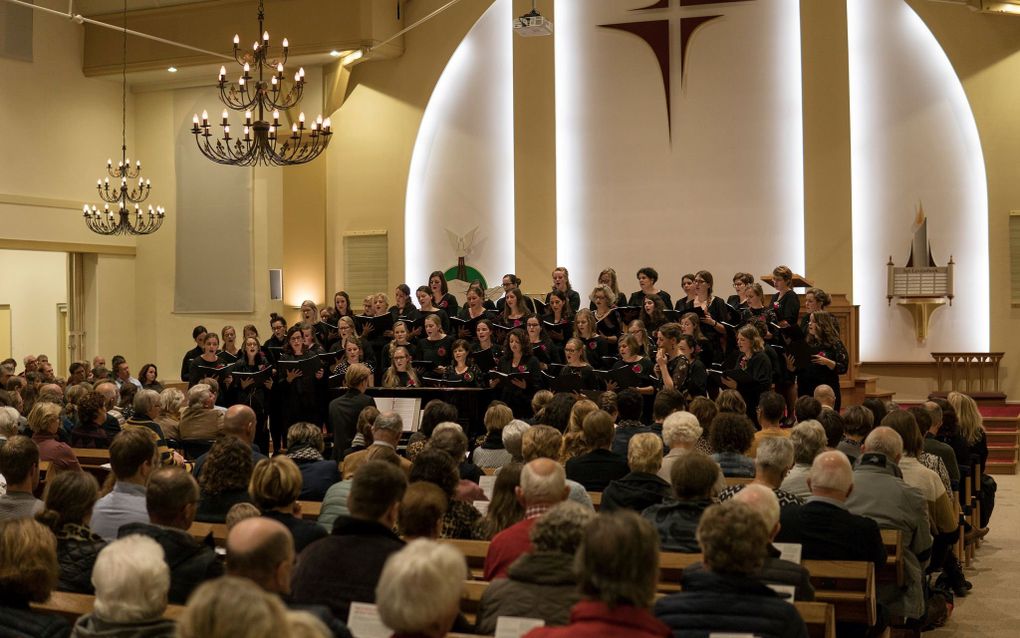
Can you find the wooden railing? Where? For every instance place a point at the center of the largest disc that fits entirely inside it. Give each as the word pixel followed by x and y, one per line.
pixel 968 372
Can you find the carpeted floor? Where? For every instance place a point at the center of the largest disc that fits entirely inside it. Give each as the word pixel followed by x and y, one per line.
pixel 992 610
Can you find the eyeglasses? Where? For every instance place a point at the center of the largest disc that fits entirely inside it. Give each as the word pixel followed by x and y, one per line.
pixel 699 281
pixel 400 357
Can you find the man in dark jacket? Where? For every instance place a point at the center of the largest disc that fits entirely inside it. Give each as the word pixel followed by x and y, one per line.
pixel 172 500
pixel 345 567
pixel 725 597
pixel 345 409
pixel 642 488
pixel 262 550
pixel 597 468
pixel 693 477
pixel 629 405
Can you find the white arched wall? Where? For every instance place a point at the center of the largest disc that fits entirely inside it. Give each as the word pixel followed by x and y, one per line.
pixel 462 168
pixel 913 139
pixel 726 191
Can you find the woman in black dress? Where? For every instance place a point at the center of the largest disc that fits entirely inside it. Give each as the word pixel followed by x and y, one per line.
pixel 401 339
pixel 462 369
pixel 299 393
pixel 755 363
pixel 474 309
pixel 652 314
pixel 440 291
pixel 428 308
pixel 695 378
pixel 251 393
pixel 647 277
pixel 686 303
pixel 786 306
pixel 706 350
pixel 561 315
pixel 829 358
pixel 484 349
pixel 541 345
pixel 561 282
pixel 209 358
pixel 517 392
pixel 742 282
pixel 577 365
pixel 596 346
pixel 631 357
pixel 354 352
pixel 607 320
pixel 278 340
pixel 616 298
pixel 435 346
pixel 342 305
pixel 515 309
pixel 815 299
pixel 401 373
pixel 711 310
pixel 403 306
pixel 758 313
pixel 645 346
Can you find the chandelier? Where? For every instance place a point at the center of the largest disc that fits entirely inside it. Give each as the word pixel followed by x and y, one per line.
pixel 261 141
pixel 123 220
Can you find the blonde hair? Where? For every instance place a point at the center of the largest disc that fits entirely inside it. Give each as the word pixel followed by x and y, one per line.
pixel 219 607
pixel 497 416
pixel 357 374
pixel 644 453
pixel 275 483
pixel 422 565
pixel 42 416
pixel 968 417
pixel 28 559
pixel 573 440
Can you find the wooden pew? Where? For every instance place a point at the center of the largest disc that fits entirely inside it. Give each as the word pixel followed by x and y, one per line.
pixel 88 456
pixel 848 585
pixel 199 531
pixel 892 572
pixel 737 480
pixel 596 499
pixel 310 510
pixel 71 606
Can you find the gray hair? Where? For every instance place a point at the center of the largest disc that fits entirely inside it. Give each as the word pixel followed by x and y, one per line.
pixel 775 453
pixel 144 401
pixel 763 501
pixel 561 528
pixel 422 565
pixel 447 425
pixel 198 395
pixel 885 440
pixel 170 401
pixel 389 422
pixel 303 433
pixel 7 368
pixel 831 470
pixel 539 487
pixel 132 579
pixel 618 560
pixel 681 427
pixel 8 421
pixel 808 438
pixel 513 437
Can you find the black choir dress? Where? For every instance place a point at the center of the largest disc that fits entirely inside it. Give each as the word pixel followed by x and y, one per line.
pixel 816 374
pixel 638 299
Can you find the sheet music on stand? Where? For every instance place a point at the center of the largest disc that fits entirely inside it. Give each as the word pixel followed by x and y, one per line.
pixel 408 408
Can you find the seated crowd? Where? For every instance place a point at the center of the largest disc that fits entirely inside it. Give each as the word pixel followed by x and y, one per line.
pixel 670 470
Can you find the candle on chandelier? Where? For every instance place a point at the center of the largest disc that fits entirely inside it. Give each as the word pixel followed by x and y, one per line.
pixel 226 131
pixel 194 120
pixel 247 117
pixel 326 124
pixel 237 40
pixel 285 44
pixel 279 68
pixel 225 117
pixel 276 117
pixel 205 118
pixel 223 73
pixel 240 82
pixel 247 68
pixel 273 80
pixel 109 163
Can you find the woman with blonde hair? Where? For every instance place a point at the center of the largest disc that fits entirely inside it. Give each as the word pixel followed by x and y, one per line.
pixel 275 487
pixel 171 401
pixel 230 606
pixel 971 429
pixel 44 422
pixel 561 282
pixel 573 444
pixel 400 373
pixel 752 374
pixel 29 573
pixel 609 279
pixel 492 453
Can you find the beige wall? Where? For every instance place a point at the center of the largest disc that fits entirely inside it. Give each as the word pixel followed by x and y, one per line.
pixel 35 282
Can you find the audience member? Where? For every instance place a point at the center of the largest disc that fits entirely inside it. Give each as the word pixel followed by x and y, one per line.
pixel 305 446
pixel 219 607
pixel 450 438
pixel 676 521
pixel 732 435
pixel 436 411
pixel 574 443
pixel 132 460
pixel 858 422
pixel 513 438
pixel 200 421
pixel 807 409
pixel 541 583
pixel 504 508
pixel 825 396
pixel 239 422
pixel 19 465
pixel 642 487
pixel 172 500
pixel 239 512
pixel 274 488
pixel 935 455
pixel 543 485
pixel 596 468
pixel 334 504
pixel 90 432
pixel 171 401
pixel 730 402
pixel 883 497
pixel 70 497
pixel 421 566
pixel 28 574
pixel 667 402
pixel 224 481
pixel 44 421
pixel 386 432
pixel 145 410
pixel 617 566
pixel 774 460
pixel 808 438
pixel 492 452
pixel 775 570
pixel 345 409
pixel 771 408
pixel 725 597
pixel 439 468
pixel 834 427
pixel 131 581
pixel 422 511
pixel 359 545
pixel 629 405
pixel 262 550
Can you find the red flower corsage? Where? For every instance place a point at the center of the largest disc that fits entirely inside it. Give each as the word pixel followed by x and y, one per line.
pixel 743 363
pixel 542 347
pixel 468 376
pixel 636 367
pixel 591 345
pixel 441 352
pixel 444 304
pixel 775 305
pixel 520 368
pixel 410 383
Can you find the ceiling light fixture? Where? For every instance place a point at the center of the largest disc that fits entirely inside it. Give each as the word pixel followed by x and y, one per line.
pixel 335 53
pixel 123 222
pixel 259 142
pixel 172 69
pixel 352 57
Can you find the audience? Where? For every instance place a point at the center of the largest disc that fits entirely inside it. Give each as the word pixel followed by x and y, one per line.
pixel 732 435
pixel 219 607
pixel 617 566
pixel 600 465
pixel 145 410
pixel 450 438
pixel 492 451
pixel 131 580
pixel 541 583
pixel 28 574
pixel 543 486
pixel 262 550
pixel 44 421
pixel 274 488
pixel 172 500
pixel 504 507
pixel 629 405
pixel 70 497
pixel 676 521
pixel 200 421
pixel 858 422
pixel 771 408
pixel 358 546
pixel 807 409
pixel 642 487
pixel 775 570
pixel 825 396
pixel 774 460
pixel 224 483
pixel 421 566
pixel 386 431
pixel 132 461
pixel 725 597
pixel 90 430
pixel 422 511
pixel 513 436
pixel 808 438
pixel 19 465
pixel 934 446
pixel 334 504
pixel 882 496
pixel 439 468
pixel 171 401
pixel 680 434
pixel 543 441
pixel 305 446
pixel 239 422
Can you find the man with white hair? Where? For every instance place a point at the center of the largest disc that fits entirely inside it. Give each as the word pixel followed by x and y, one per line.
pixel 386 432
pixel 200 421
pixel 131 579
pixel 809 440
pixel 543 485
pixel 774 460
pixel 513 435
pixel 823 526
pixel 881 495
pixel 422 566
